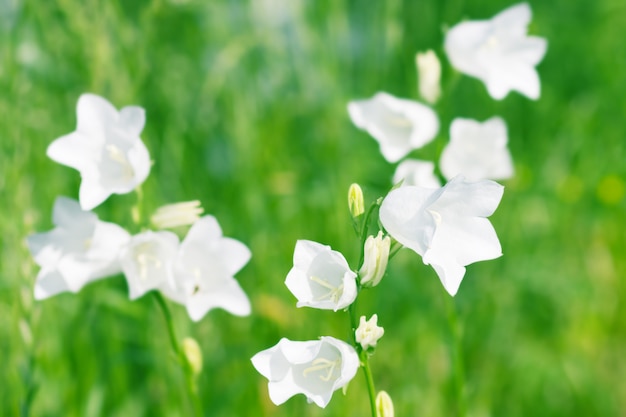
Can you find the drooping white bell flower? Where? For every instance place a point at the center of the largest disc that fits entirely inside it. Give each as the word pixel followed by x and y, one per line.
pixel 147 261
pixel 80 249
pixel 320 277
pixel 477 150
pixel 447 227
pixel 105 148
pixel 416 172
pixel 399 125
pixel 499 52
pixel 204 271
pixel 314 368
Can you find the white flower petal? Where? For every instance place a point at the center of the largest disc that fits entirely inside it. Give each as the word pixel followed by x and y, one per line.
pixel 74 150
pixel 132 119
pixel 91 194
pixel 416 172
pixel 229 297
pixel 49 283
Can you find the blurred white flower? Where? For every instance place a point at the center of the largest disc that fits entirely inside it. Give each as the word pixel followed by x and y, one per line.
pixel 313 368
pixel 429 73
pixel 368 333
pixel 376 252
pixel 204 271
pixel 80 249
pixel 147 261
pixel 416 172
pixel 499 52
pixel 447 227
pixel 105 148
pixel 398 125
pixel 477 150
pixel 320 277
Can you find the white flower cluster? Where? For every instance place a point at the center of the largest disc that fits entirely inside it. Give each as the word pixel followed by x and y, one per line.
pixel 107 151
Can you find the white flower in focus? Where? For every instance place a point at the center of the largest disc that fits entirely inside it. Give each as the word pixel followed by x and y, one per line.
pixel 499 52
pixel 477 150
pixel 429 72
pixel 147 261
pixel 447 227
pixel 204 271
pixel 376 251
pixel 398 125
pixel 105 148
pixel 313 368
pixel 368 333
pixel 80 249
pixel 416 172
pixel 320 277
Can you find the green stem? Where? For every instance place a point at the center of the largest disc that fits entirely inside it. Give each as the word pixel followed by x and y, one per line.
pixel 181 359
pixel 457 357
pixel 369 380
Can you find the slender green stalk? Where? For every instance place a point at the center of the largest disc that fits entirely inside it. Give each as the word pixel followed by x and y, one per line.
pixel 457 358
pixel 369 380
pixel 179 354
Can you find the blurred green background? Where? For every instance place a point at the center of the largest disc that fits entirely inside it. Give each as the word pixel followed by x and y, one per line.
pixel 246 111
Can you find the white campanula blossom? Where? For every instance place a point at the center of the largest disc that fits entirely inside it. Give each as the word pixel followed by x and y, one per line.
pixel 447 227
pixel 314 368
pixel 376 256
pixel 320 277
pixel 368 333
pixel 204 271
pixel 429 72
pixel 416 172
pixel 105 148
pixel 499 52
pixel 399 125
pixel 80 249
pixel 477 150
pixel 147 261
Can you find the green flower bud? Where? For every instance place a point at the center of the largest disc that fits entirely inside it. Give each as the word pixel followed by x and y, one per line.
pixel 193 354
pixel 384 405
pixel 355 200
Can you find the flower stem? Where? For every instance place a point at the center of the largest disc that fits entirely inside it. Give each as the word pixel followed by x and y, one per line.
pixel 369 380
pixel 180 357
pixel 457 358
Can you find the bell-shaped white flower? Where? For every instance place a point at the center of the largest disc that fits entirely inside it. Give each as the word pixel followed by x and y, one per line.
pixel 204 271
pixel 368 333
pixel 314 368
pixel 376 250
pixel 399 125
pixel 447 227
pixel 416 172
pixel 147 261
pixel 320 277
pixel 429 72
pixel 477 150
pixel 499 52
pixel 80 249
pixel 105 148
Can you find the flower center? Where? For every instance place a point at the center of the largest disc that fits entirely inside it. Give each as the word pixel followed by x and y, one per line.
pixel 146 261
pixel 333 294
pixel 325 368
pixel 116 155
pixel 399 120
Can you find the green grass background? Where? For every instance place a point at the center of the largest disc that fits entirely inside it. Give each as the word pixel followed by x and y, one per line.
pixel 246 111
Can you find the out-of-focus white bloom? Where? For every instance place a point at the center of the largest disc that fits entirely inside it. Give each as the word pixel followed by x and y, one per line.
pixel 499 52
pixel 416 172
pixel 429 72
pixel 477 150
pixel 320 277
pixel 147 261
pixel 398 125
pixel 375 262
pixel 178 214
pixel 368 333
pixel 105 148
pixel 447 227
pixel 80 249
pixel 313 368
pixel 384 405
pixel 355 200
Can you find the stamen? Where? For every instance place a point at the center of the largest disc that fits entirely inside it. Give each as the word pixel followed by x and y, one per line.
pixel 322 364
pixel 116 155
pixel 145 260
pixel 334 293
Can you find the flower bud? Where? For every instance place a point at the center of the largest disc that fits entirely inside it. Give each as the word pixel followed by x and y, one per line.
pixel 384 405
pixel 375 261
pixel 368 332
pixel 178 214
pixel 429 71
pixel 355 200
pixel 193 354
